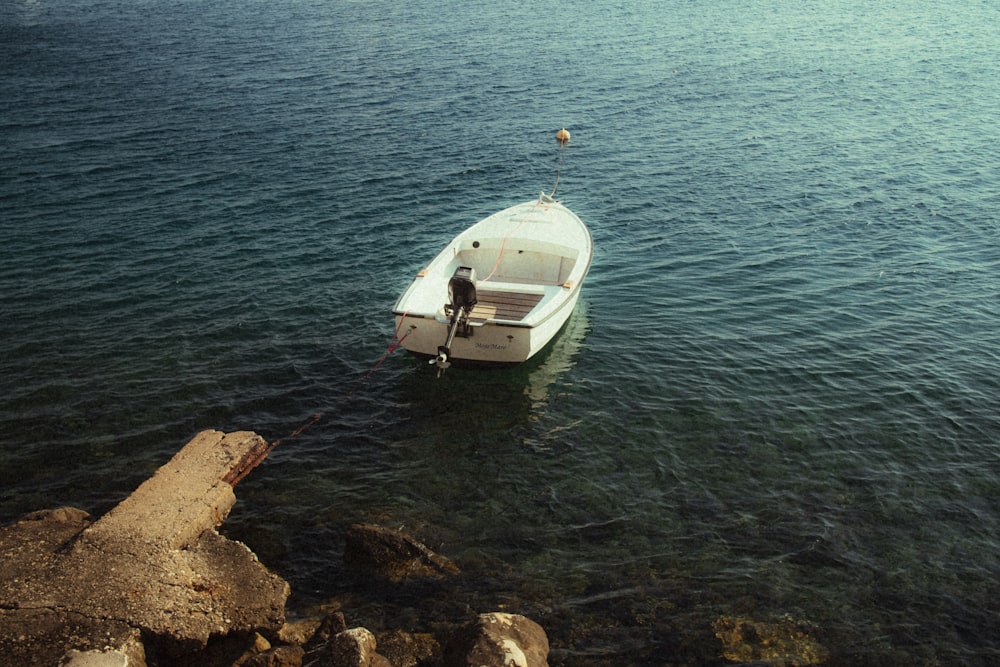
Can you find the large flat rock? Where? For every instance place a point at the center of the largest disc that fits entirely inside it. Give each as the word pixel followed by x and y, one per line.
pixel 185 497
pixel 154 567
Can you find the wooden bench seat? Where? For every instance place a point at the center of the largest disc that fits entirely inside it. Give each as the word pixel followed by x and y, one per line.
pixel 503 305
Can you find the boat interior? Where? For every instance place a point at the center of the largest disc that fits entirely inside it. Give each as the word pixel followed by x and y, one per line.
pixel 531 262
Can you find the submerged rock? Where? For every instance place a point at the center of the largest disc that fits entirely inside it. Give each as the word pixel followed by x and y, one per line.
pixel 403 649
pixel 393 555
pixel 784 642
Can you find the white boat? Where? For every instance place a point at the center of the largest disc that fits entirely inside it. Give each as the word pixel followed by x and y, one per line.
pixel 500 291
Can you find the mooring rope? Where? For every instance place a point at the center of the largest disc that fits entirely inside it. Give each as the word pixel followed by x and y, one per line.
pixel 562 145
pixel 394 343
pixel 563 137
pixel 306 424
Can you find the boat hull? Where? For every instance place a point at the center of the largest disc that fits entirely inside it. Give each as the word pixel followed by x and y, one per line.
pixel 492 344
pixel 527 264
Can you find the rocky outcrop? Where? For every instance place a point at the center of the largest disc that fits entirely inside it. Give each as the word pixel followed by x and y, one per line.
pixel 499 640
pixel 355 648
pixel 491 640
pixel 153 583
pixel 334 645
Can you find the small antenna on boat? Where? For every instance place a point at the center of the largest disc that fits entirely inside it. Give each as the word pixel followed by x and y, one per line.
pixel 562 136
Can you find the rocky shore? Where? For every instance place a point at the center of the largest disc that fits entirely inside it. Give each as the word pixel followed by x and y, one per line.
pixel 153 583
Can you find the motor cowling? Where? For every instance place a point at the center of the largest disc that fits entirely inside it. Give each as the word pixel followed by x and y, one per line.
pixel 462 289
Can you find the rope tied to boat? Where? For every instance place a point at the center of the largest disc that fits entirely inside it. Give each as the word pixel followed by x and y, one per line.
pixel 563 137
pixel 394 344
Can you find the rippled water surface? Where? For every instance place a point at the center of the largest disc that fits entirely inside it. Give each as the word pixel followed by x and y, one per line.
pixel 778 398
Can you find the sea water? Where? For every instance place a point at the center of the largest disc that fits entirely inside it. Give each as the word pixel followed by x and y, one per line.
pixel 777 402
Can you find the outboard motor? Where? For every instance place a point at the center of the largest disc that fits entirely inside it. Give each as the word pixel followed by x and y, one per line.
pixel 462 288
pixel 462 297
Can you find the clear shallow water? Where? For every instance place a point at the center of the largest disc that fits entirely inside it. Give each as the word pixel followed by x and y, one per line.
pixel 779 395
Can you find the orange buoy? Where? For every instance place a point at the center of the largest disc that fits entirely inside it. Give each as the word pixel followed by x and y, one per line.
pixel 562 136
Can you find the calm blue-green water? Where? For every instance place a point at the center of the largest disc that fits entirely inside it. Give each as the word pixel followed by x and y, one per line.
pixel 780 395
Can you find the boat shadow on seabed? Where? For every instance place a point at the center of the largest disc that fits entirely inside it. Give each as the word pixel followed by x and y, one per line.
pixel 531 378
pixel 523 389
